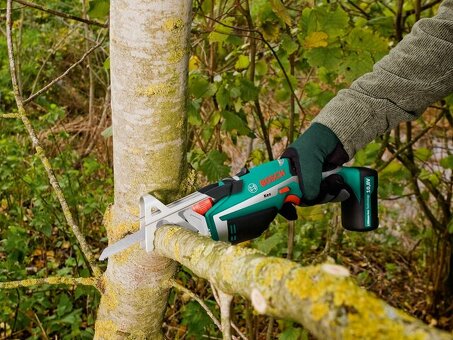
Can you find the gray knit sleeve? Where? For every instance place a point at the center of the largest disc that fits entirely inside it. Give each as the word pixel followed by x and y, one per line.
pixel 416 73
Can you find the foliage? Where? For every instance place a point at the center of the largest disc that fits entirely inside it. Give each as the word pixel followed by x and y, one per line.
pixel 259 72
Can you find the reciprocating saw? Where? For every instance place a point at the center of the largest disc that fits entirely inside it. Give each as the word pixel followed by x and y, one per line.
pixel 241 207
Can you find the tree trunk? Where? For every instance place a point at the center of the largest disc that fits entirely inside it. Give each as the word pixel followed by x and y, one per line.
pixel 149 61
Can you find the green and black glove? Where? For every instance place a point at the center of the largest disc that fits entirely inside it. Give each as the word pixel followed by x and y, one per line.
pixel 318 149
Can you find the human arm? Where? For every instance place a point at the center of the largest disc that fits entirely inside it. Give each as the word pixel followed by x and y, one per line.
pixel 416 73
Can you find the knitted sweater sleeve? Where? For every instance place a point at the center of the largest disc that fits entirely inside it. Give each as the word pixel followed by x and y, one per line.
pixel 416 73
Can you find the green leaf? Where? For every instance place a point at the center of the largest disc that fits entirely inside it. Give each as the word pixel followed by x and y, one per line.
pixel 107 64
pixel 249 91
pixel 196 319
pixel 261 11
pixel 292 334
pixel 232 122
pixel 447 162
pixel 193 114
pixel 367 155
pixel 450 226
pixel 213 165
pixel 242 62
pixel 270 243
pixel 271 31
pixel 363 40
pixel 223 97
pixel 108 132
pixel 308 22
pixel 221 31
pixel 64 305
pixel 423 154
pixel 261 68
pixel 288 44
pixel 332 22
pixel 200 87
pixel 323 19
pixel 326 57
pixel 354 65
pixel 280 10
pixel 99 9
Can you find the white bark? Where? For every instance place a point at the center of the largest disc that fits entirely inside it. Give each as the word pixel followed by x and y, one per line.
pixel 149 56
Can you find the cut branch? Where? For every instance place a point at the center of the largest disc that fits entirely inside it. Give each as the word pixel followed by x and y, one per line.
pixel 322 298
pixel 55 280
pixel 40 151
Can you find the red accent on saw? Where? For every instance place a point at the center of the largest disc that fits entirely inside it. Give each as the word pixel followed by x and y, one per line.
pixel 203 206
pixel 283 190
pixel 292 199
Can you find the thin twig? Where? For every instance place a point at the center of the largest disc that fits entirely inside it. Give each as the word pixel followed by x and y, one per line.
pixel 409 144
pixel 40 151
pixel 61 14
pixel 53 280
pixel 233 325
pixel 194 296
pixel 45 88
pixel 225 313
pixel 10 115
pixel 43 332
pixel 94 136
pixel 272 51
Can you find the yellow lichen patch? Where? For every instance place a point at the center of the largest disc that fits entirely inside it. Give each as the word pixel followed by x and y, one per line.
pixel 361 327
pixel 124 256
pixel 174 24
pixel 138 335
pixel 118 231
pixel 319 310
pixel 345 290
pixel 272 270
pixel 104 327
pixel 111 293
pixel 156 89
pixel 300 284
pixel 176 54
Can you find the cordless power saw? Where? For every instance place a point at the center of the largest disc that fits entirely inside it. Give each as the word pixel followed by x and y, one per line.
pixel 241 207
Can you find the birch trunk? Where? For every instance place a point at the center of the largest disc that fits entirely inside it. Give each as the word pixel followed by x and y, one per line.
pixel 149 57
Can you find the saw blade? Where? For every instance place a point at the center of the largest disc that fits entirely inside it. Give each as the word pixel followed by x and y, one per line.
pixel 123 244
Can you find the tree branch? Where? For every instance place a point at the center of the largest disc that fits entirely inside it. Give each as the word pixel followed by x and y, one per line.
pixel 40 151
pixel 10 115
pixel 398 152
pixel 61 14
pixel 224 301
pixel 322 298
pixel 194 296
pixel 45 88
pixel 55 280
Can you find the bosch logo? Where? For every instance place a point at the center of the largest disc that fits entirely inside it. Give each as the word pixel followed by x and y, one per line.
pixel 252 187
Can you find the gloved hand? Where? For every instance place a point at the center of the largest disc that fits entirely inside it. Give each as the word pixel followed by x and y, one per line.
pixel 318 149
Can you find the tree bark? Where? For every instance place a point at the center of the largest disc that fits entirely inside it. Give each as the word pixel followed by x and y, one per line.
pixel 323 298
pixel 149 61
